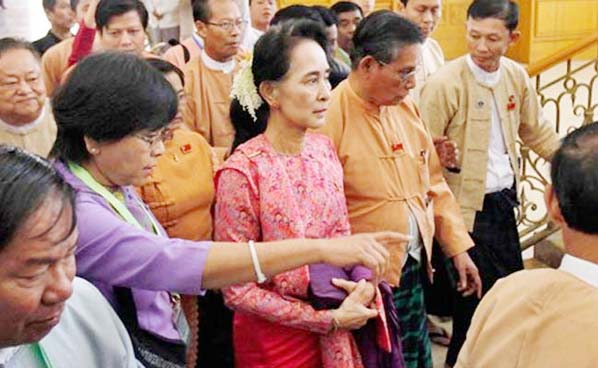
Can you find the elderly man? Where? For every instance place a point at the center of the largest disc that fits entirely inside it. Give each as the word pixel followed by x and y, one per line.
pixel 208 78
pixel 553 323
pixel 55 60
pixel 25 115
pixel 48 318
pixel 392 175
pixel 61 17
pixel 484 101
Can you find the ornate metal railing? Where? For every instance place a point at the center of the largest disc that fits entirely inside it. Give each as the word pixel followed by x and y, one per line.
pixel 567 84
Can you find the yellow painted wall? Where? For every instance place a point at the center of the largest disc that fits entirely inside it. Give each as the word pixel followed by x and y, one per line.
pixel 546 25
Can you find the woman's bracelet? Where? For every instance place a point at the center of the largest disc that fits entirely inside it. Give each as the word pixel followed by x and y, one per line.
pixel 261 278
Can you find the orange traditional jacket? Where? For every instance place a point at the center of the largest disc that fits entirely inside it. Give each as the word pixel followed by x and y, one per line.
pixel 534 318
pixel 55 63
pixel 180 192
pixel 390 168
pixel 207 110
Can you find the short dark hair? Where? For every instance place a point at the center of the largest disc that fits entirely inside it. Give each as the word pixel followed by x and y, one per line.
pixel 49 4
pixel 505 10
pixel 26 182
pixel 110 8
pixel 109 96
pixel 574 175
pixel 382 35
pixel 271 62
pixel 345 7
pixel 296 12
pixel 327 15
pixel 9 43
pixel 201 11
pixel 74 4
pixel 166 67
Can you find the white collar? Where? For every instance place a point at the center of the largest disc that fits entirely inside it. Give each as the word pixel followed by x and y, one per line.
pixel 489 79
pixel 24 129
pixel 226 67
pixel 6 354
pixel 580 268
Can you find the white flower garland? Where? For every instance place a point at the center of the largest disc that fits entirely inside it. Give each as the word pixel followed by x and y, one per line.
pixel 244 90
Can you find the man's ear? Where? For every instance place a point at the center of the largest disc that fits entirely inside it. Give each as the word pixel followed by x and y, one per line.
pixel 201 29
pixel 552 206
pixel 514 37
pixel 367 63
pixel 269 92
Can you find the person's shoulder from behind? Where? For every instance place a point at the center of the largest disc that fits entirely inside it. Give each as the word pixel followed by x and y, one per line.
pixel 89 334
pixel 60 51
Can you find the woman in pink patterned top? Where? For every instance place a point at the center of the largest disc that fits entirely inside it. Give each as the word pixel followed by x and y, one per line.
pixel 286 183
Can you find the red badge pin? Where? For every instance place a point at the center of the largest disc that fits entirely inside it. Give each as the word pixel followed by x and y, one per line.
pixel 511 105
pixel 397 147
pixel 186 148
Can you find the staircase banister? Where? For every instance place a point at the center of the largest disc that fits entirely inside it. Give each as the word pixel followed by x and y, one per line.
pixel 561 56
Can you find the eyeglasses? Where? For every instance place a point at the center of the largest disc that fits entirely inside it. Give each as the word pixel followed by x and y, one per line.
pixel 229 25
pixel 162 136
pixel 403 75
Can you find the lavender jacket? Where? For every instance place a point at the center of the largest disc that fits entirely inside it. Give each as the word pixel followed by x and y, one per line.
pixel 111 252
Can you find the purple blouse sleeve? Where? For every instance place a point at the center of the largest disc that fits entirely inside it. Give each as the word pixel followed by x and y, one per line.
pixel 112 251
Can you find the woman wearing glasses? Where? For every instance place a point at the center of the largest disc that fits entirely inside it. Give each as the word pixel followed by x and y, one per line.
pixel 111 115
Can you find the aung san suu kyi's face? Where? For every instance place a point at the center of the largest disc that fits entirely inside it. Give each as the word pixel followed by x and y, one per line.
pixel 303 95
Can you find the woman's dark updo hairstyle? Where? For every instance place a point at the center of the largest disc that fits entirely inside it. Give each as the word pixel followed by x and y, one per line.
pixel 271 62
pixel 109 96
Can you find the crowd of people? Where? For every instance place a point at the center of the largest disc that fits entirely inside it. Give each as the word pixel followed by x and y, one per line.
pixel 300 187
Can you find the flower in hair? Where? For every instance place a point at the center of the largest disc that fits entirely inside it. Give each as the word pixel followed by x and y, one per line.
pixel 244 90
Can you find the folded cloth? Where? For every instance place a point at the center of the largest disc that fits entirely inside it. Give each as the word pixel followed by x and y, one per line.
pixel 378 349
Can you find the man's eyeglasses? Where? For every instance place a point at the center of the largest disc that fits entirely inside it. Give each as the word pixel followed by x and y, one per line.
pixel 229 25
pixel 403 74
pixel 162 136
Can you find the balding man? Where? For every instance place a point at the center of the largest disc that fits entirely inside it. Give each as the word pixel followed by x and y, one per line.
pixel 26 118
pixel 554 322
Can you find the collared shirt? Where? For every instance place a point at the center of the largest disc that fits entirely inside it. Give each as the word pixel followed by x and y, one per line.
pixel 537 318
pixel 391 170
pixel 183 209
pixel 176 54
pixel 453 103
pixel 429 60
pixel 251 37
pixel 43 44
pixel 226 67
pixel 36 137
pixel 207 85
pixel 89 335
pixel 499 173
pixel 580 268
pixel 112 252
pixel 55 64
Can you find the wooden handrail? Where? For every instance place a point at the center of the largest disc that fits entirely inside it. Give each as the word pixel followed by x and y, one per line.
pixel 563 55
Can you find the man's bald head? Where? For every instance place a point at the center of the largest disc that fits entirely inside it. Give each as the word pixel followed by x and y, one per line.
pixel 574 175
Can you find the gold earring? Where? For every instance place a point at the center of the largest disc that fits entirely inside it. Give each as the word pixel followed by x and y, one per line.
pixel 93 151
